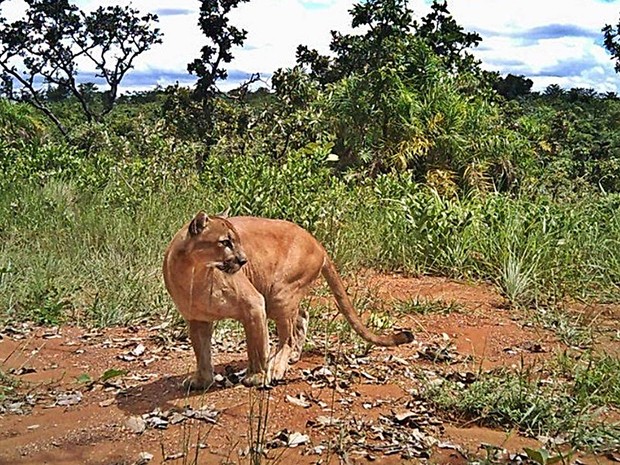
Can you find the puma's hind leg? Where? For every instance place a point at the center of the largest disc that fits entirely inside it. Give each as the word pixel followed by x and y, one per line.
pixel 278 364
pixel 299 336
pixel 291 324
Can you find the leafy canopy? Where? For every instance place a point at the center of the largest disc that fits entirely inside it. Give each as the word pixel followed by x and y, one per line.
pixel 611 35
pixel 222 36
pixel 44 48
pixel 209 68
pixel 389 31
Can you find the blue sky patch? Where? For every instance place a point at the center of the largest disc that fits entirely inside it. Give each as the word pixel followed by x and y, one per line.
pixel 557 31
pixel 173 11
pixel 549 31
pixel 567 68
pixel 150 77
pixel 314 5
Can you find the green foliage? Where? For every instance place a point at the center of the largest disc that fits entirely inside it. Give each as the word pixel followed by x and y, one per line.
pixel 8 384
pixel 402 95
pixel 448 39
pixel 428 125
pixel 96 225
pixel 43 49
pixel 19 126
pixel 563 404
pixel 577 142
pixel 111 374
pixel 183 114
pixel 543 457
pixel 300 189
pixel 611 35
pixel 512 86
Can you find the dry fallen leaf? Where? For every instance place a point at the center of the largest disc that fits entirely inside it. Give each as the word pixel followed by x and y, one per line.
pixel 107 402
pixel 300 401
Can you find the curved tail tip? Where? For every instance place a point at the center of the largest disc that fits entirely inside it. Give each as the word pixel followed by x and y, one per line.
pixel 404 337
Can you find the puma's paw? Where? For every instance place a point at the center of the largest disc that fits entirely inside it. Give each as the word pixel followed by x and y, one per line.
pixel 278 369
pixel 295 356
pixel 256 380
pixel 197 383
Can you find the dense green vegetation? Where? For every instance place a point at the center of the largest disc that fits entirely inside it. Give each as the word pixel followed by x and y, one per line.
pixel 83 225
pixel 568 401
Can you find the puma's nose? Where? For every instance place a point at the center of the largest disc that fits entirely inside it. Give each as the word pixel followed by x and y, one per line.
pixel 242 260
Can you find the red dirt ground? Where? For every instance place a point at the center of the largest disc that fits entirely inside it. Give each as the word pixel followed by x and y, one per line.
pixel 485 333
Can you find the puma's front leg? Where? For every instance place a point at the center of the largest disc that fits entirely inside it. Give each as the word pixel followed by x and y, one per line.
pixel 200 333
pixel 257 336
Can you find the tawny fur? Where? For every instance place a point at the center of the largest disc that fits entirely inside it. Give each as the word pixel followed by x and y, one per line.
pixel 283 260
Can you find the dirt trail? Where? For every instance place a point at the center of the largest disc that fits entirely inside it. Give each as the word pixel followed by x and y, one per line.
pixel 60 417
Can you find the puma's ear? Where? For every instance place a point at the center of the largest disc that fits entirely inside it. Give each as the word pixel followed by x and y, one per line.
pixel 225 213
pixel 198 223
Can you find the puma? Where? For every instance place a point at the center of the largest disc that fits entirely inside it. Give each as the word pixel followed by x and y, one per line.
pixel 251 269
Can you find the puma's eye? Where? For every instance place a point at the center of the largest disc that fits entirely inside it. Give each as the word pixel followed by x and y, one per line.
pixel 226 243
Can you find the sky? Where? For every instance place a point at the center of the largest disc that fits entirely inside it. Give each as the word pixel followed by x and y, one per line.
pixel 548 41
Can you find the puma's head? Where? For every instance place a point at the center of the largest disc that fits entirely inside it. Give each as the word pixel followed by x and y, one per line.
pixel 213 241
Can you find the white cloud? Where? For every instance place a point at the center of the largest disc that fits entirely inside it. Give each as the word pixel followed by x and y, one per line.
pixel 518 16
pixel 525 37
pixel 275 29
pixel 512 31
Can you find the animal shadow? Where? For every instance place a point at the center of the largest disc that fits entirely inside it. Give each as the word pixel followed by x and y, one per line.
pixel 162 392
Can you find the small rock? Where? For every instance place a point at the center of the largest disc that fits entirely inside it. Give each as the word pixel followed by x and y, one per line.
pixel 404 416
pixel 136 425
pixel 177 418
pixel 323 371
pixel 144 458
pixel 138 350
pixel 22 371
pixel 158 422
pixel 297 439
pixel 287 439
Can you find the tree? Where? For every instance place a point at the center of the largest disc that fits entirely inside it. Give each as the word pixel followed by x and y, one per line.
pixel 448 39
pixel 554 91
pixel 43 50
pixel 214 23
pixel 209 68
pixel 401 95
pixel 387 25
pixel 512 86
pixel 390 32
pixel 580 94
pixel 612 42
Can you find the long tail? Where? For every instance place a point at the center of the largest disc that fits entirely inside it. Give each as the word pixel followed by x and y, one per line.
pixel 346 308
